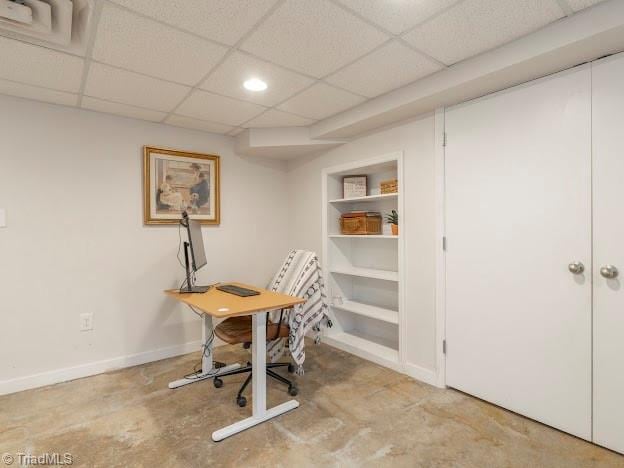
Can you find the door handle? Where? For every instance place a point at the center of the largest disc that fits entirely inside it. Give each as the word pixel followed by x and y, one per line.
pixel 576 268
pixel 609 271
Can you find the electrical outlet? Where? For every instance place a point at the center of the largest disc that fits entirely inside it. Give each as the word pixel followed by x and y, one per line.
pixel 86 321
pixel 2 218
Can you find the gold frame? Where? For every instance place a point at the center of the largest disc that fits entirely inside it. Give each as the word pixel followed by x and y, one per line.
pixel 147 199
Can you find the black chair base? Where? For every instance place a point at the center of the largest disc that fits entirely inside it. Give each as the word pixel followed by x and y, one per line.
pixel 240 399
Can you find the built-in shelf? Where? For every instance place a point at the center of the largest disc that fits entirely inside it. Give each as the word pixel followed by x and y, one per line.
pixel 368 198
pixel 369 331
pixel 365 346
pixel 363 236
pixel 377 313
pixel 367 273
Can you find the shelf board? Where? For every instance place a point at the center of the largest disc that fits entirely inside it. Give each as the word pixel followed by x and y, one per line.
pixel 368 198
pixel 374 312
pixel 363 346
pixel 367 273
pixel 363 236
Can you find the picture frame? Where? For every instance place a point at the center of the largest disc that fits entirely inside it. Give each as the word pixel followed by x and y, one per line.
pixel 354 186
pixel 176 181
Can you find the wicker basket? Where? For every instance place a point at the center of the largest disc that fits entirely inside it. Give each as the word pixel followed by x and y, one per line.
pixel 389 186
pixel 361 223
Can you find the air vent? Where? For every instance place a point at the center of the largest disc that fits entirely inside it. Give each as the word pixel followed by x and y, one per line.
pixel 12 11
pixel 60 24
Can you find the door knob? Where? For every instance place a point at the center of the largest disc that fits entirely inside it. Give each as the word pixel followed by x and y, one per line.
pixel 609 271
pixel 576 268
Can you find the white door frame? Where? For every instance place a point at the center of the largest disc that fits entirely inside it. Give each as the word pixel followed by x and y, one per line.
pixel 440 228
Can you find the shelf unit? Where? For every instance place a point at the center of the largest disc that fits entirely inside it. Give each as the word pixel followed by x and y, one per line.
pixel 364 273
pixel 367 198
pixel 386 275
pixel 369 236
pixel 366 310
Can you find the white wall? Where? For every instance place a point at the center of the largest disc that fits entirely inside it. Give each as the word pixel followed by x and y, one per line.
pixel 416 140
pixel 71 182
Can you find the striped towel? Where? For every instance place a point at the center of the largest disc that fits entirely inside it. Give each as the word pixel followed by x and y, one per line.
pixel 300 275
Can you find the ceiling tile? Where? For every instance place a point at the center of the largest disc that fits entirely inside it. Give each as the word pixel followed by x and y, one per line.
pixel 30 64
pixel 187 122
pixel 276 118
pixel 207 106
pixel 475 26
pixel 313 37
pixel 229 77
pixel 38 94
pixel 131 88
pixel 221 20
pixel 321 101
pixel 388 68
pixel 139 44
pixel 397 16
pixel 578 5
pixel 122 109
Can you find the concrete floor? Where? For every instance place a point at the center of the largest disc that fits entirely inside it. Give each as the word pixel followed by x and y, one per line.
pixel 352 413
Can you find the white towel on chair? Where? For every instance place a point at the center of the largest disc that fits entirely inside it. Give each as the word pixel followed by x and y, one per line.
pixel 300 275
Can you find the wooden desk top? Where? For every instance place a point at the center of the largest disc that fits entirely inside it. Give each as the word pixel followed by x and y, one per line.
pixel 215 302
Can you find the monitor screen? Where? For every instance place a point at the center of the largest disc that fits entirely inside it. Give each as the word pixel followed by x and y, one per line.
pixel 196 240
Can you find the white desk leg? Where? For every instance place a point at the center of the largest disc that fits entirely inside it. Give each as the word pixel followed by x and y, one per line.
pixel 208 368
pixel 258 361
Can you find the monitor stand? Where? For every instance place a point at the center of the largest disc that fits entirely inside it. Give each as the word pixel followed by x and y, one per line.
pixel 190 287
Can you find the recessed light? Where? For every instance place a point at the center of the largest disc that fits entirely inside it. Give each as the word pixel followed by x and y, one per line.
pixel 255 84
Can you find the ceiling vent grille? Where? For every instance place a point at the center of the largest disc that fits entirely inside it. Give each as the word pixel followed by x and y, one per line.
pixel 60 24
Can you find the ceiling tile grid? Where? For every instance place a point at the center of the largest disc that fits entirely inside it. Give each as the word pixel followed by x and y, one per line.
pixel 183 62
pixel 124 110
pixel 229 77
pixel 187 122
pixel 129 41
pixel 390 67
pixel 312 37
pixel 397 16
pixel 277 118
pixel 38 66
pixel 321 101
pixel 36 93
pixel 475 26
pixel 125 87
pixel 224 21
pixel 220 109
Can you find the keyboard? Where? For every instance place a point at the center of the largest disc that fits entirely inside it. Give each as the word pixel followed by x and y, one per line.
pixel 237 290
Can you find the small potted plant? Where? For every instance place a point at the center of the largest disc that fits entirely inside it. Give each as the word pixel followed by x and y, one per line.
pixel 393 219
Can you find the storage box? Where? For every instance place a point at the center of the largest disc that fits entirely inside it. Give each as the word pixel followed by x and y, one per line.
pixel 360 223
pixel 389 186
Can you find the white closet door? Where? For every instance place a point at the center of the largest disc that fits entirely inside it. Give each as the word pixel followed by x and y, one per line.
pixel 608 156
pixel 518 178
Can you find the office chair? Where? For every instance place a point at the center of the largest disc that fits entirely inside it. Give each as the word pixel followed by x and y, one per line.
pixel 237 330
pixel 300 275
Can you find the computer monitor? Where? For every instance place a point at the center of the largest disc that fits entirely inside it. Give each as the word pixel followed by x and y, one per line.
pixel 195 247
pixel 196 241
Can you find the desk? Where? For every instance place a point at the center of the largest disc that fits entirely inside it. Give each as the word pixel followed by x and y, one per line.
pixel 219 304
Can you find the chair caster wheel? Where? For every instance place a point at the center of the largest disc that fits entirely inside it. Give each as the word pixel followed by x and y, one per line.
pixel 292 390
pixel 241 401
pixel 291 369
pixel 217 382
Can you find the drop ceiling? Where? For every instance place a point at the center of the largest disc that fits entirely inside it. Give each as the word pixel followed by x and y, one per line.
pixel 183 62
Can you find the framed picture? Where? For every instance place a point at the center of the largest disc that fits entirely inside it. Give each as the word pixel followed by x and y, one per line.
pixel 354 186
pixel 175 181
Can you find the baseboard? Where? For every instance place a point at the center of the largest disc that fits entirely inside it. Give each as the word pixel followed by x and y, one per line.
pixel 85 370
pixel 423 374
